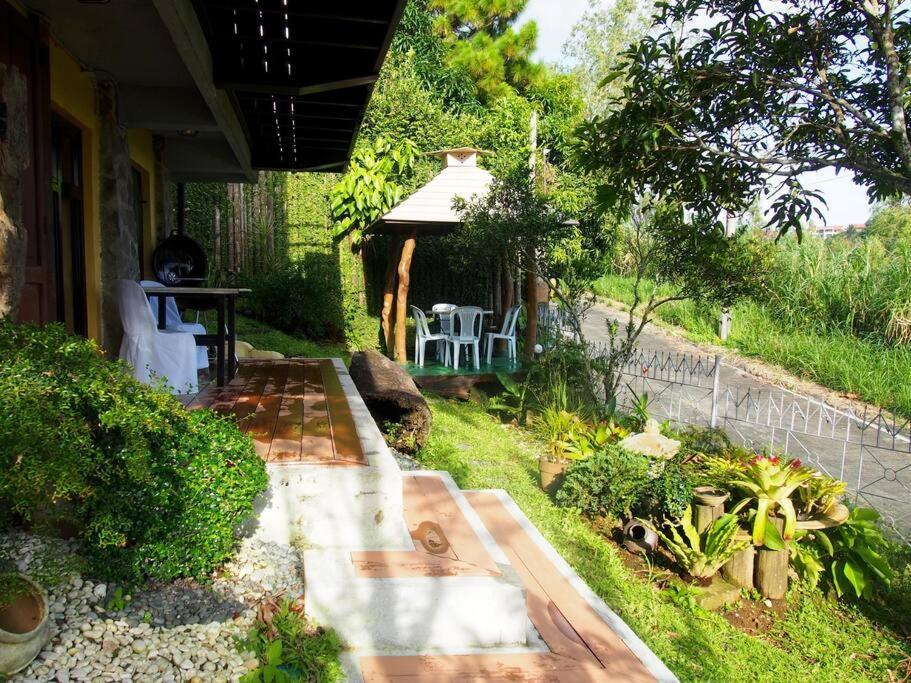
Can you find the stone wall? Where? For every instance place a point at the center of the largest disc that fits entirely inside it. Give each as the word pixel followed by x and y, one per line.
pixel 15 160
pixel 118 233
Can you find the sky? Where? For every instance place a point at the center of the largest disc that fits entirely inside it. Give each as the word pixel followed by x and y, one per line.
pixel 847 201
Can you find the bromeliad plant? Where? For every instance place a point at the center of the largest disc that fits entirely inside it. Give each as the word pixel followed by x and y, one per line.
pixel 702 555
pixel 770 482
pixel 819 493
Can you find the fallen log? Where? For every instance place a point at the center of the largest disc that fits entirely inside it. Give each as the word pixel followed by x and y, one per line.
pixel 392 398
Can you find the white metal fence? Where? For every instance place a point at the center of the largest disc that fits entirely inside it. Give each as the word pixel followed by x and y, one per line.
pixel 871 451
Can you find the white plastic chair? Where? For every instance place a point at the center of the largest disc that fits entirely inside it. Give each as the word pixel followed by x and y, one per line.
pixel 424 335
pixel 466 331
pixel 174 323
pixel 507 332
pixel 153 353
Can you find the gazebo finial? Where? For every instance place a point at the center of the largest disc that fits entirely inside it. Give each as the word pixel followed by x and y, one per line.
pixel 458 156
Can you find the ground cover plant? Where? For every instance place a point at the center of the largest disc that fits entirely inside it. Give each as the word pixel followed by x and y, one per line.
pixel 814 637
pixel 153 490
pixel 290 648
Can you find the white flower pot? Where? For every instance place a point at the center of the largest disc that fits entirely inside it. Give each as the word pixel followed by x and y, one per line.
pixel 24 629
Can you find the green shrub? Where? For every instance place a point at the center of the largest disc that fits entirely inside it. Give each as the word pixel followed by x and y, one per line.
pixel 156 490
pixel 669 495
pixel 304 297
pixel 608 484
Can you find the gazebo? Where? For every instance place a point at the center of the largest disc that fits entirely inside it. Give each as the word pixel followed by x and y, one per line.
pixel 428 211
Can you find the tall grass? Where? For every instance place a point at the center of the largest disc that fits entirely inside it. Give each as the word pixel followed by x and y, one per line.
pixel 869 367
pixel 860 286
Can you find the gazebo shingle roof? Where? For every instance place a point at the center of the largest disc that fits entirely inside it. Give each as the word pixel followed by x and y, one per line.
pixel 430 208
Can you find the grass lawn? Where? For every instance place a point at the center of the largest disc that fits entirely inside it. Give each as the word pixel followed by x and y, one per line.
pixel 875 372
pixel 267 338
pixel 816 640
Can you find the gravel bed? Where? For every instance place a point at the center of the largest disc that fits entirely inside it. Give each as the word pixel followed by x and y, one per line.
pixel 180 631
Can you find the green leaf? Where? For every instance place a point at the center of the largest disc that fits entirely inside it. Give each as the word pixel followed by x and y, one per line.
pixel 773 539
pixel 856 576
pixel 274 653
pixel 864 515
pixel 823 540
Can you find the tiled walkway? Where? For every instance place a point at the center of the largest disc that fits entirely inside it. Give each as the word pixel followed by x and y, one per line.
pixel 294 410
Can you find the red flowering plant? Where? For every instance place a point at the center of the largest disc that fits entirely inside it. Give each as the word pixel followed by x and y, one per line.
pixel 769 481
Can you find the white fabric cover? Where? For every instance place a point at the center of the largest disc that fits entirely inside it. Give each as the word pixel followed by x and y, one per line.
pixel 174 323
pixel 154 354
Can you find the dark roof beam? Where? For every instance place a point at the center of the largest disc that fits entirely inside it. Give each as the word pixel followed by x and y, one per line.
pixel 279 89
pixel 361 18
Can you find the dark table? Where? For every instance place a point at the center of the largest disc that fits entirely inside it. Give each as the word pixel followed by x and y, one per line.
pixel 225 300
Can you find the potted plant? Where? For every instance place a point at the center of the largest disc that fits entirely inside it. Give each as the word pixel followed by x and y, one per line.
pixel 702 555
pixel 23 622
pixel 569 439
pixel 710 495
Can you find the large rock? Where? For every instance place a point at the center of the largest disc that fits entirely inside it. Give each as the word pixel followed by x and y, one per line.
pixel 392 396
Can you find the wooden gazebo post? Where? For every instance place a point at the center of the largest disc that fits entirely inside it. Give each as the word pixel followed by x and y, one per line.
pixel 386 319
pixel 401 303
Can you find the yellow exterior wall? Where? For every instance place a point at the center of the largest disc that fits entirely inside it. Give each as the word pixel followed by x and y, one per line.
pixel 142 154
pixel 73 98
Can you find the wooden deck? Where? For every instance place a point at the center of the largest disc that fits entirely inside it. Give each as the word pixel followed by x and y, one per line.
pixel 295 410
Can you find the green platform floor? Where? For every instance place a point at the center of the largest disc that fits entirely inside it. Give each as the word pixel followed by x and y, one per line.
pixel 433 368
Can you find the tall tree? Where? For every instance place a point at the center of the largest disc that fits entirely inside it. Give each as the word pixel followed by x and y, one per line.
pixel 725 101
pixel 596 43
pixel 483 43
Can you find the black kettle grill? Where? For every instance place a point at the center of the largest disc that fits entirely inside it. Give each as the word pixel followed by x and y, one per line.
pixel 180 261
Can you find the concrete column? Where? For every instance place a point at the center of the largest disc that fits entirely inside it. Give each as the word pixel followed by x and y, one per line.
pixel 15 159
pixel 119 246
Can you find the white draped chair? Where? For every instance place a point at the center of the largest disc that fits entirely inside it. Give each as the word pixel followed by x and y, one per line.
pixel 154 354
pixel 175 323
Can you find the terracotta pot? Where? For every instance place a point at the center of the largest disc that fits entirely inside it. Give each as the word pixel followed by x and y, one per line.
pixel 639 538
pixel 708 495
pixel 551 474
pixel 24 628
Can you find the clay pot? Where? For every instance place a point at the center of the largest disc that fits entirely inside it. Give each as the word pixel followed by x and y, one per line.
pixel 24 628
pixel 708 495
pixel 639 538
pixel 551 474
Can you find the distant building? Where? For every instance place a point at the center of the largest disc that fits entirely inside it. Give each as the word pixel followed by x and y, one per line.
pixel 827 231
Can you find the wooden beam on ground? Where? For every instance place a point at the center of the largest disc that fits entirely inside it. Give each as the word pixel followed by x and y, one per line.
pixel 395 251
pixel 401 308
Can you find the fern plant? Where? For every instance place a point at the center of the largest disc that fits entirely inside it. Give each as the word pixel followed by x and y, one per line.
pixel 702 555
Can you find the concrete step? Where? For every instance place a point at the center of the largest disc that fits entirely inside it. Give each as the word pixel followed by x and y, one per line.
pixel 449 589
pixel 574 636
pixel 338 504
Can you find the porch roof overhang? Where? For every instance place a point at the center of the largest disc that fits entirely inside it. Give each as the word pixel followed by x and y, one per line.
pixel 257 84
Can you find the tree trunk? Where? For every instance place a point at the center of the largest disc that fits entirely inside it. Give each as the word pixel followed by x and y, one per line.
pixel 531 303
pixel 395 249
pixel 772 567
pixel 739 569
pixel 401 308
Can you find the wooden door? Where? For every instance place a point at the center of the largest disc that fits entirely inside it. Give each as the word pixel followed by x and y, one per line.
pixel 24 50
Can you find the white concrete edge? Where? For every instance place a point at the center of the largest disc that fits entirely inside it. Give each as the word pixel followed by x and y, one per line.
pixel 648 658
pixel 493 549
